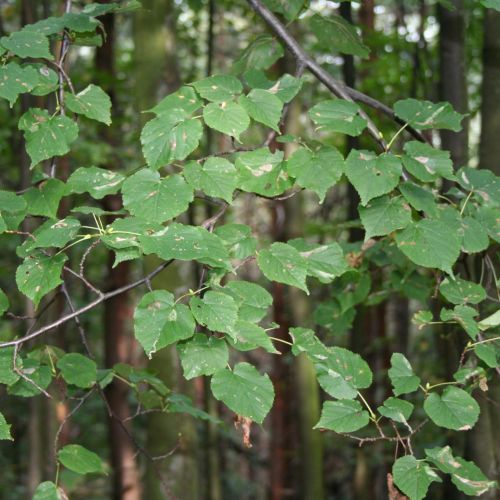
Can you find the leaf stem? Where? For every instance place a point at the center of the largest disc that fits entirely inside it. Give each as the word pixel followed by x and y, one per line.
pixel 368 407
pixel 395 136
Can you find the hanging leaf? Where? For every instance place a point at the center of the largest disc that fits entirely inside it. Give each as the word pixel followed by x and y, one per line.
pixel 401 374
pixel 159 322
pixel 46 136
pixel 413 477
pixel 316 170
pixel 170 137
pixel 26 43
pixel 4 302
pixel 37 374
pixel 7 374
pixel 78 370
pixel 455 409
pixel 263 107
pixel 91 102
pixel 341 373
pixel 244 391
pixel 281 262
pixel 459 291
pixel 286 88
pixel 419 198
pixel 47 491
pixel 384 215
pixel 338 116
pixel 151 198
pixel 39 274
pixel 252 300
pixel 80 460
pixel 178 241
pixel 424 115
pixel 423 244
pixel 15 80
pixel 324 262
pixel 262 172
pixel 218 88
pixel 5 434
pixel 290 9
pixel 262 53
pixel 216 177
pixel 99 182
pixel 51 234
pixel 44 199
pixel 334 32
pixel 474 235
pixel 202 355
pixel 484 183
pixel 372 175
pixel 226 117
pixel 342 416
pixel 466 476
pixel 185 100
pixel 426 163
pixel 247 336
pixel 463 315
pixel 238 239
pixel 217 311
pixel 396 409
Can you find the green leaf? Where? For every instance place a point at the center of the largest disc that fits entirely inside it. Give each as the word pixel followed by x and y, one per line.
pixel 4 302
pixel 283 263
pixel 78 370
pixel 178 241
pixel 47 491
pixel 44 199
pixel 218 88
pixel 430 243
pixel 372 175
pixel 247 336
pixel 286 88
pixel 413 477
pixel 47 79
pixel 426 163
pixel 217 311
pixel 491 4
pixel 342 372
pixel 489 218
pixel 238 239
pixel 424 115
pixel 46 136
pixel 466 476
pixel 401 374
pixel 384 215
pixel 151 198
pixel 27 44
pixel 185 100
pixel 324 262
pixel 80 460
pixel 52 234
pixel 489 354
pixel 463 315
pixel 170 137
pixel 159 322
pixel 288 8
pixel 262 53
pixel 5 434
pixel 263 107
pixel 338 116
pixel 316 170
pixel 252 300
pixel 216 177
pixel 335 33
pixel 40 375
pixel 262 172
pixel 39 274
pixel 91 102
pixel 342 416
pixel 7 374
pixel 226 117
pixel 419 198
pixel 455 409
pixel 202 355
pixel 490 321
pixel 396 409
pixel 179 403
pixel 99 182
pixel 459 291
pixel 15 80
pixel 484 183
pixel 11 203
pixel 244 391
pixel 474 235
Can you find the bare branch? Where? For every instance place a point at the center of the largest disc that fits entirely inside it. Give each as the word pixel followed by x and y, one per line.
pixel 337 88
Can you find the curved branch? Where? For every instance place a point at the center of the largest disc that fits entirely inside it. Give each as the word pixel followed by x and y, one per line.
pixel 88 307
pixel 337 88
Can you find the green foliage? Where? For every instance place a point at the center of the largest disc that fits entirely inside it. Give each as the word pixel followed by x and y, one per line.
pixel 80 460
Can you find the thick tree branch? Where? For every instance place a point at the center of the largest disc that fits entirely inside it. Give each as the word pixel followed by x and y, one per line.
pixel 88 307
pixel 337 88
